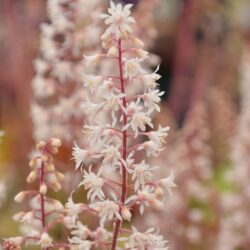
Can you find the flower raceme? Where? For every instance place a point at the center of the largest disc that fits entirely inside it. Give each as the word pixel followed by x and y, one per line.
pixel 116 184
pixel 35 223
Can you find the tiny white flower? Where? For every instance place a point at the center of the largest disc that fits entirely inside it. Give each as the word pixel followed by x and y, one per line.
pixel 91 109
pixel 63 71
pixel 159 136
pixel 145 196
pixel 92 82
pixel 119 20
pixel 42 87
pixel 73 209
pixel 107 210
pixel 41 66
pixel 168 182
pixel 149 80
pixel 147 240
pixel 152 99
pixel 141 173
pixel 93 133
pixel 45 241
pixel 151 148
pixel 94 183
pixel 138 118
pixel 80 156
pixel 77 243
pixel 111 155
pixel 132 67
pixel 92 60
pixel 80 231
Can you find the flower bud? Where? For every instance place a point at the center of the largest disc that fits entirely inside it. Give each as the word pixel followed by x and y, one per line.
pixel 20 196
pixel 41 145
pixel 156 204
pixel 54 142
pixel 126 214
pixel 56 186
pixel 43 189
pixel 159 192
pixel 13 243
pixel 112 51
pixel 45 241
pixel 32 163
pixel 53 150
pixel 60 176
pixel 58 205
pixel 50 167
pixel 32 176
pixel 18 216
pixel 137 42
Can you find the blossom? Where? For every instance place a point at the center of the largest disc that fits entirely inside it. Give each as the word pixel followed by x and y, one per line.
pixel 138 118
pixel 107 210
pixel 132 67
pixel 141 173
pixel 149 80
pixel 45 240
pixel 92 60
pixel 42 87
pixel 93 133
pixel 144 196
pixel 168 182
pixel 111 155
pixel 94 183
pixel 77 243
pixel 119 20
pixel 73 209
pixel 62 71
pixel 80 156
pixel 80 230
pixel 151 148
pixel 91 82
pixel 159 136
pixel 91 108
pixel 147 240
pixel 152 98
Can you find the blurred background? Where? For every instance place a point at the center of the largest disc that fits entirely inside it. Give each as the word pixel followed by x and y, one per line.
pixel 203 47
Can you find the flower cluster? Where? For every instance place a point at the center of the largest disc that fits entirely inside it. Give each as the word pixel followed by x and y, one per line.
pixel 73 30
pixel 116 184
pixel 58 78
pixel 45 211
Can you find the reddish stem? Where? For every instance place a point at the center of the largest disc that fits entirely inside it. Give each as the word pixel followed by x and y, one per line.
pixel 42 198
pixel 124 148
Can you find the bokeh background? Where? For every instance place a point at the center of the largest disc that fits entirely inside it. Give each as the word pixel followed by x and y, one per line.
pixel 204 52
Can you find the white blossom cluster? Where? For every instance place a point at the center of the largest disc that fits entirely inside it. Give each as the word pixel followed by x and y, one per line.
pixel 73 30
pixel 115 182
pixel 45 212
pixel 58 80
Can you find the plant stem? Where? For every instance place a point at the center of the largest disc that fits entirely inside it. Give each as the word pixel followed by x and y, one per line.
pixel 124 148
pixel 43 215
